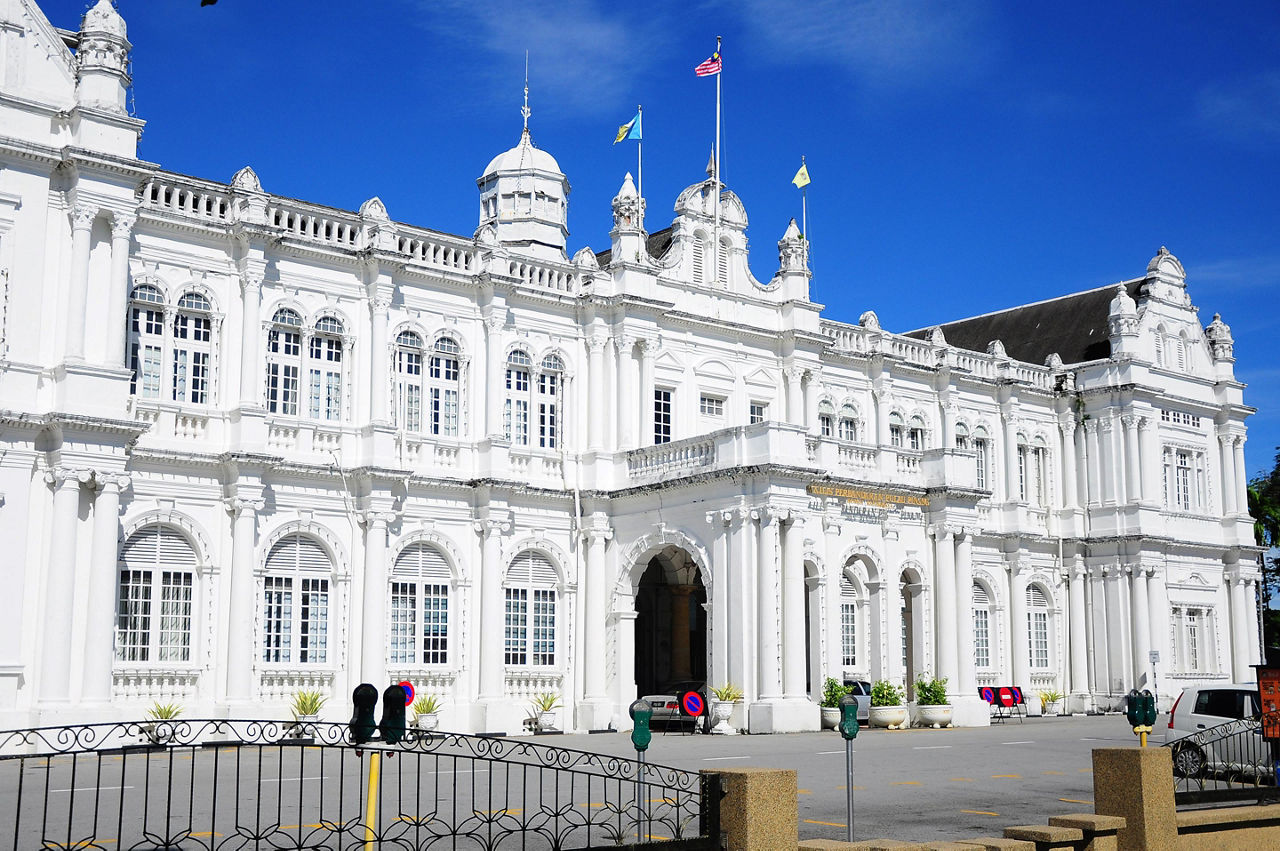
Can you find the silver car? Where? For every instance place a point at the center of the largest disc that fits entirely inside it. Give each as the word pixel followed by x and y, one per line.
pixel 1231 709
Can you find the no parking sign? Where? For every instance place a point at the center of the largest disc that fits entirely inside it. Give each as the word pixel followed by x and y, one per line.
pixel 691 703
pixel 408 692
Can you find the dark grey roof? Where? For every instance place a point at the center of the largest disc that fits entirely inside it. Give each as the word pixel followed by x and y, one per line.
pixel 1074 326
pixel 657 244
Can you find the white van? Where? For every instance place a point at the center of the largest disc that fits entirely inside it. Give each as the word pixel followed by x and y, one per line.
pixel 1203 707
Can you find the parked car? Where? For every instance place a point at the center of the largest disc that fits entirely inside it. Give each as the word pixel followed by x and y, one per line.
pixel 666 706
pixel 862 694
pixel 1197 751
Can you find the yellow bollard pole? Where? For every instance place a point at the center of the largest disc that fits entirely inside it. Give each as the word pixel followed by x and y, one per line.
pixel 1143 736
pixel 371 800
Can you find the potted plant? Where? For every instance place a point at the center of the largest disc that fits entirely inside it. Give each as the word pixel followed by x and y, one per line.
pixel 832 691
pixel 932 709
pixel 722 707
pixel 544 706
pixel 886 705
pixel 1051 702
pixel 306 708
pixel 160 718
pixel 426 712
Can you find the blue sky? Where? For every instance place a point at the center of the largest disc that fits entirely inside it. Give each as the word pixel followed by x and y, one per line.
pixel 965 156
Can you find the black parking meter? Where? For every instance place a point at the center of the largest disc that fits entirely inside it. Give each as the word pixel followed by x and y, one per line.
pixel 1131 708
pixel 641 712
pixel 848 717
pixel 392 724
pixel 363 699
pixel 1148 707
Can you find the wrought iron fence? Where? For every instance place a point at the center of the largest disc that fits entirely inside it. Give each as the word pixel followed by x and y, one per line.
pixel 219 784
pixel 1229 762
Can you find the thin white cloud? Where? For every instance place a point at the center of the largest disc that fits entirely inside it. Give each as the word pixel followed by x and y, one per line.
pixel 1238 273
pixel 1245 111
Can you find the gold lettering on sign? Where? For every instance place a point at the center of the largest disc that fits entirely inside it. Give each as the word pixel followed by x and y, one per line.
pixel 863 496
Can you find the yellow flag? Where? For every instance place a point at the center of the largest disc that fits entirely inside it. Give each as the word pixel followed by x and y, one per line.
pixel 801 180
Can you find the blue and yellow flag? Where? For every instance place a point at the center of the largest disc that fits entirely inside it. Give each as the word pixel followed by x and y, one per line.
pixel 801 180
pixel 630 130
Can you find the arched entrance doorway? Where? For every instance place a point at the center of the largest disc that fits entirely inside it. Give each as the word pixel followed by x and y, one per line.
pixel 671 622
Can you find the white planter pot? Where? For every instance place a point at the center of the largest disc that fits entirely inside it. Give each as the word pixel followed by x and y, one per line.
pixel 427 721
pixel 546 719
pixel 892 717
pixel 720 712
pixel 830 717
pixel 936 716
pixel 1055 708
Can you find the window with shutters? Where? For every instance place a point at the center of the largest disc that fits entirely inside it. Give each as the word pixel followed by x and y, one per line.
pixel 419 620
pixel 409 381
pixel 962 436
pixel 296 602
pixel 981 626
pixel 154 609
pixel 826 419
pixel 896 426
pixel 916 434
pixel 530 616
pixel 284 356
pixel 443 380
pixel 848 423
pixel 848 624
pixel 1037 627
pixel 516 410
pixel 324 370
pixel 722 263
pixel 699 249
pixel 170 351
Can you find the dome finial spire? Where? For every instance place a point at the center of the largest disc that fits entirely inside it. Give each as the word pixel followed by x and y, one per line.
pixel 524 110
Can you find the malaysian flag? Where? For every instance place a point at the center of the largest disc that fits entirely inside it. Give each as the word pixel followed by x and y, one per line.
pixel 709 67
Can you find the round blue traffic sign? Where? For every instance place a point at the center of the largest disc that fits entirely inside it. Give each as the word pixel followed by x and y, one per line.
pixel 691 703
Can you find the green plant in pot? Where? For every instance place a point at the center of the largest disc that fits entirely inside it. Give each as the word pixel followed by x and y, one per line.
pixel 545 705
pixel 722 707
pixel 886 705
pixel 426 712
pixel 1051 702
pixel 932 709
pixel 832 691
pixel 159 725
pixel 307 704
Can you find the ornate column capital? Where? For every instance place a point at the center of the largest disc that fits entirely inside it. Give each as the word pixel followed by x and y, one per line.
pixel 373 519
pixel 239 505
pixel 82 215
pixel 489 527
pixel 66 475
pixel 380 304
pixel 108 479
pixel 794 373
pixel 1129 420
pixel 122 225
pixel 596 343
pixel 593 534
pixel 1145 423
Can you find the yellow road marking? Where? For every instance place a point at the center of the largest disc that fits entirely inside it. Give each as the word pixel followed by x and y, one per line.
pixel 906 783
pixel 961 779
pixel 855 788
pixel 1085 770
pixel 507 812
pixel 1006 777
pixel 1052 772
pixel 89 843
pixel 827 823
pixel 979 813
pixel 803 792
pixel 205 833
pixel 1074 801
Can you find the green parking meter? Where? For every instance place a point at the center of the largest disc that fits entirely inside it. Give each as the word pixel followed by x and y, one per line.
pixel 641 712
pixel 1148 706
pixel 1131 709
pixel 848 717
pixel 848 727
pixel 363 701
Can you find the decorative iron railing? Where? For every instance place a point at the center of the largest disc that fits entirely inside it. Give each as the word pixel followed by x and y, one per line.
pixel 219 784
pixel 1229 762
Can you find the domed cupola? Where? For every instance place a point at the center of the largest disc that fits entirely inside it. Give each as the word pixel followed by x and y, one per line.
pixel 524 197
pixel 103 59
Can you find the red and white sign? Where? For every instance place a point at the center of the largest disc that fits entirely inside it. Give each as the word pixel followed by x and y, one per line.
pixel 408 692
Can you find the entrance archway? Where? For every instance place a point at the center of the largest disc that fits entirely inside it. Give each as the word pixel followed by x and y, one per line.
pixel 671 623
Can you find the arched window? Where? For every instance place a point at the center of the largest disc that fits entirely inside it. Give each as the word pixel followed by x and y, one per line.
pixel 1159 340
pixel 826 419
pixel 848 423
pixel 284 351
pixel 192 347
pixel 530 593
pixel 1037 627
pixel 325 370
pixel 1183 347
pixel 981 626
pixel 915 434
pixel 895 429
pixel 848 624
pixel 549 386
pixel 146 341
pixel 409 381
pixel 722 263
pixel 962 436
pixel 1031 471
pixel 419 607
pixel 697 252
pixel 444 387
pixel 515 413
pixel 982 448
pixel 295 603
pixel 154 609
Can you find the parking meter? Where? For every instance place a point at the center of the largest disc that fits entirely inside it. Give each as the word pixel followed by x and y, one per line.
pixel 640 712
pixel 1131 709
pixel 1147 705
pixel 363 700
pixel 848 717
pixel 392 724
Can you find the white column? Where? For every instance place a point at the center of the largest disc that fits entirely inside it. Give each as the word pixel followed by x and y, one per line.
pixel 795 406
pixel 118 294
pixel 1099 668
pixel 100 623
pixel 1019 643
pixel 1077 636
pixel 1243 620
pixel 718 601
pixel 891 595
pixel 1011 490
pixel 833 664
pixel 1251 599
pixel 1087 464
pixel 55 656
pixel 768 662
pixel 250 358
pixel 1117 648
pixel 627 393
pixel 597 404
pixel 240 634
pixel 1226 464
pixel 1141 628
pixel 794 633
pixel 1067 426
pixel 1240 476
pixel 741 533
pixel 1150 461
pixel 373 617
pixel 880 397
pixel 811 388
pixel 1159 600
pixel 379 365
pixel 1132 453
pixel 78 292
pixel 967 681
pixel 491 628
pixel 496 365
pixel 593 661
pixel 945 604
pixel 1107 461
pixel 645 395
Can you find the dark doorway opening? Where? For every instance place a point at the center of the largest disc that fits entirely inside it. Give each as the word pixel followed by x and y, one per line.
pixel 671 623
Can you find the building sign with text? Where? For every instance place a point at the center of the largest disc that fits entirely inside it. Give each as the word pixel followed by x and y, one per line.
pixel 859 501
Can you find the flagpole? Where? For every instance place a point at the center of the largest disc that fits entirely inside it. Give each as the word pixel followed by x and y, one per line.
pixel 715 257
pixel 804 206
pixel 640 162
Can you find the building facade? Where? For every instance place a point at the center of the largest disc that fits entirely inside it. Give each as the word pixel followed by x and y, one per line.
pixel 251 445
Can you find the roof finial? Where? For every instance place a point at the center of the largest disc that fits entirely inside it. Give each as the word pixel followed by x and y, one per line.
pixel 524 110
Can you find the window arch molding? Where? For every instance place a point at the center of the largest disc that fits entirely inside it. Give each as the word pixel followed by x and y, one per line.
pixel 556 556
pixel 536 609
pixel 864 562
pixel 447 547
pixel 300 601
pixel 158 596
pixel 198 287
pixel 321 533
pixel 425 620
pixel 185 525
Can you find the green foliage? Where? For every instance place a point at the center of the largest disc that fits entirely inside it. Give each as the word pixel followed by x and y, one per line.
pixel 727 692
pixel 1264 507
pixel 832 691
pixel 546 701
pixel 426 704
pixel 1047 697
pixel 885 693
pixel 164 711
pixel 931 692
pixel 307 702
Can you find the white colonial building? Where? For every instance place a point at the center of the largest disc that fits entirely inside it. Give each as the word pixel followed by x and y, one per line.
pixel 251 445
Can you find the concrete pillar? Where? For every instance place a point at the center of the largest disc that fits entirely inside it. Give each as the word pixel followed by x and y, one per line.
pixel 645 395
pixel 1151 461
pixel 104 572
pixel 759 811
pixel 1077 636
pixel 597 592
pixel 680 656
pixel 1159 602
pixel 891 595
pixel 240 620
pixel 1070 497
pixel 1243 620
pixel 118 293
pixel 1011 490
pixel 1141 628
pixel 1107 461
pixel 78 292
pixel 1226 464
pixel 628 392
pixel 250 358
pixel 794 634
pixel 380 363
pixel 1087 464
pixel 945 605
pixel 737 589
pixel 1020 646
pixel 1096 614
pixel 597 404
pixel 58 613
pixel 373 617
pixel 967 682
pixel 795 405
pixel 1240 476
pixel 768 661
pixel 1137 784
pixel 718 600
pixel 491 628
pixel 1117 649
pixel 812 386
pixel 1132 453
pixel 497 379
